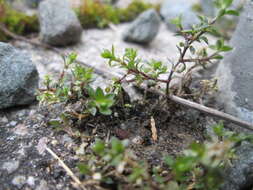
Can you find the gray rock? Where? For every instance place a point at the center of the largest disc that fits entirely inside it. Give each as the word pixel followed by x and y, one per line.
pixel 209 8
pixel 110 1
pixel 19 181
pixel 235 74
pixel 144 29
pixel 59 25
pixel 10 166
pixel 42 186
pixel 32 3
pixel 171 9
pixel 240 175
pixel 18 77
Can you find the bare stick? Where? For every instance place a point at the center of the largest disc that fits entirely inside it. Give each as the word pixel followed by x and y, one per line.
pixel 204 109
pixel 21 38
pixel 67 169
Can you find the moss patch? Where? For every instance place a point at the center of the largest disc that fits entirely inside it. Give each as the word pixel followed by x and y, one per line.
pixel 16 22
pixel 92 14
pixel 96 14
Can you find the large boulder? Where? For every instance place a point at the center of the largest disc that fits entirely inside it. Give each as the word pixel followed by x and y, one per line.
pixel 235 74
pixel 171 9
pixel 144 28
pixel 240 175
pixel 59 25
pixel 18 77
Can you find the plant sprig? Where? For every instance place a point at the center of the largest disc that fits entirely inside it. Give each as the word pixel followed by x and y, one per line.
pixel 74 85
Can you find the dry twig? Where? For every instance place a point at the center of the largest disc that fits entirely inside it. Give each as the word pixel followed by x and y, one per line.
pixel 67 169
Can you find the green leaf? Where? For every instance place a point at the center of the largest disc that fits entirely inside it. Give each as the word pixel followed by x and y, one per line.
pixel 181 44
pixel 219 44
pixel 218 130
pixel 91 92
pixel 110 96
pixel 213 31
pixel 99 94
pixel 105 111
pixel 93 111
pixel 217 57
pixel 204 38
pixel 184 164
pixel 221 13
pixel 232 12
pixel 99 147
pixel 117 146
pixel 83 168
pixel 55 122
pixel 169 160
pixel 227 3
pixel 71 58
pixel 106 54
pixel 226 48
pixel 177 21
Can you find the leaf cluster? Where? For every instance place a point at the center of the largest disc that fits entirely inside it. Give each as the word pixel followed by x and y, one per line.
pixel 199 167
pixel 139 71
pixel 74 85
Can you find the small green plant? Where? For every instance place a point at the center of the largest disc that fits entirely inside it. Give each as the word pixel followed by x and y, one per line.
pixel 74 85
pixel 198 167
pixel 112 164
pixel 16 22
pixel 77 88
pixel 97 14
pixel 151 71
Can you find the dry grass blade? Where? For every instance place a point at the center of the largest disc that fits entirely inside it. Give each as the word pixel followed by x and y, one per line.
pixel 67 169
pixel 153 129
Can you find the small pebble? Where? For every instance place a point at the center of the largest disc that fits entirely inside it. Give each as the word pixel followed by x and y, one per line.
pixel 4 119
pixel 13 123
pixel 19 181
pixel 31 181
pixel 10 166
pixel 43 186
pixel 138 140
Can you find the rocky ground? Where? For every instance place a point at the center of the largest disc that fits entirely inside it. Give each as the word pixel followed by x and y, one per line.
pixel 25 131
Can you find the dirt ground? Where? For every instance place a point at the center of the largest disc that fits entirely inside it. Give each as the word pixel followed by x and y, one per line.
pixel 24 130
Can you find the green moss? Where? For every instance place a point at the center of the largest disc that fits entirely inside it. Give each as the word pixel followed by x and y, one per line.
pixel 16 22
pixel 92 14
pixel 96 14
pixel 197 8
pixel 134 9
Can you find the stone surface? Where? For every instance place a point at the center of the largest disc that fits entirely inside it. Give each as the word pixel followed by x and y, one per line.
pixel 19 181
pixel 210 10
pixel 18 77
pixel 110 1
pixel 144 29
pixel 10 166
pixel 32 3
pixel 59 25
pixel 235 74
pixel 240 175
pixel 171 9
